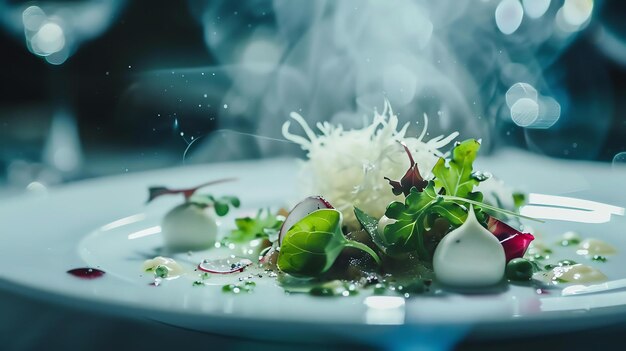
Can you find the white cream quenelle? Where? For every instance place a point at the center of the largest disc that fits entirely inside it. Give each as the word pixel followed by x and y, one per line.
pixel 469 256
pixel 189 227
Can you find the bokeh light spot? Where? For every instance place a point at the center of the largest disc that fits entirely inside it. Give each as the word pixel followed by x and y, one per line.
pixel 48 39
pixel 509 14
pixel 525 112
pixel 518 91
pixel 577 12
pixel 535 8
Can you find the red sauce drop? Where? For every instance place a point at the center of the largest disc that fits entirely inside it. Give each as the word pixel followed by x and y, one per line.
pixel 86 273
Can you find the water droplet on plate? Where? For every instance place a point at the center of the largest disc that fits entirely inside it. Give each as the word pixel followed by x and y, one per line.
pixel 224 265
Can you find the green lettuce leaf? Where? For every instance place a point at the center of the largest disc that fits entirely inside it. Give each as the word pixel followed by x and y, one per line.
pixel 455 177
pixel 262 225
pixel 313 244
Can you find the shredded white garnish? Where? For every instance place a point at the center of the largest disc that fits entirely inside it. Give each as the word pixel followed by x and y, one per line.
pixel 347 167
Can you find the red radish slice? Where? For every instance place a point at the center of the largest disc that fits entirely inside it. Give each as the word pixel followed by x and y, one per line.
pixel 224 265
pixel 514 242
pixel 301 210
pixel 264 254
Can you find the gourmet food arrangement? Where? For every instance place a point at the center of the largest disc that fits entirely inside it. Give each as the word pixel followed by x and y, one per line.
pixel 385 213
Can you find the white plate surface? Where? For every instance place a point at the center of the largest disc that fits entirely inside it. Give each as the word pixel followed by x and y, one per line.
pixel 88 224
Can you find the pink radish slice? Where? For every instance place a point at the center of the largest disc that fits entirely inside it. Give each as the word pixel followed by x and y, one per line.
pixel 301 210
pixel 265 253
pixel 224 265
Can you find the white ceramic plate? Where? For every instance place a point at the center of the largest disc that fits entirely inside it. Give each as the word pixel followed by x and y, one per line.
pixel 89 224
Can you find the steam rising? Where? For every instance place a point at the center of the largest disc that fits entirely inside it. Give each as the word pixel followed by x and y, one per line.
pixel 474 66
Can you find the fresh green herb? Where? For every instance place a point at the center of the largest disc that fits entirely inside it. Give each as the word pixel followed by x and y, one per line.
pixel 313 244
pixel 447 197
pixel 198 283
pixel 263 225
pixel 456 178
pixel 322 291
pixel 482 205
pixel 221 205
pixel 406 235
pixel 161 271
pixel 599 258
pixel 248 287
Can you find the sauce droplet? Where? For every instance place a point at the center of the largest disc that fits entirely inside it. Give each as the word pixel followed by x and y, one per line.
pixel 86 273
pixel 568 274
pixel 595 247
pixel 224 265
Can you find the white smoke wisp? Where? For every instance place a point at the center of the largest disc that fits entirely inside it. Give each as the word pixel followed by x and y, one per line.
pixel 335 61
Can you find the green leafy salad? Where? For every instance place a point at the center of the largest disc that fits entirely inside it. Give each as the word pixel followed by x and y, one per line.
pixel 386 211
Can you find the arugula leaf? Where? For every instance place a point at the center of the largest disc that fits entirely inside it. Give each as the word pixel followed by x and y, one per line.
pixel 261 226
pixel 313 244
pixel 456 178
pixel 370 225
pixel 413 221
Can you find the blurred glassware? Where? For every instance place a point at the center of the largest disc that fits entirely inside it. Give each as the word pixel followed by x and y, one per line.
pixel 54 30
